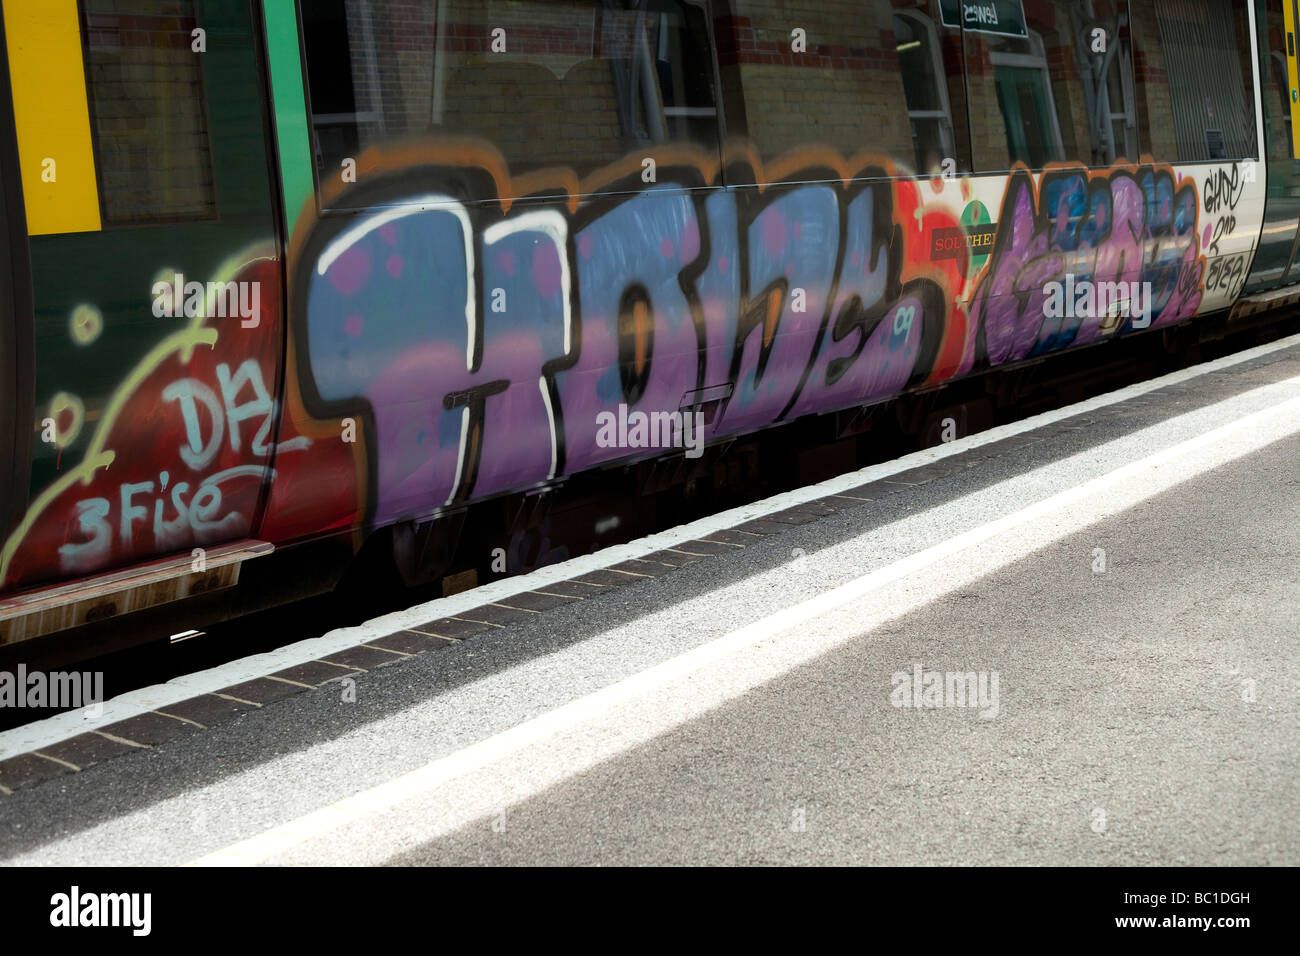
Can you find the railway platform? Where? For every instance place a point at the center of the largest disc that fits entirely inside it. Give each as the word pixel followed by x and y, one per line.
pixel 1071 640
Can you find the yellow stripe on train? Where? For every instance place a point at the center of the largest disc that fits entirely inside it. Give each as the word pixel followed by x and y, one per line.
pixel 1292 77
pixel 52 116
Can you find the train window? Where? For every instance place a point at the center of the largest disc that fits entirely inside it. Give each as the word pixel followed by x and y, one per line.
pixel 568 83
pixel 1055 82
pixel 876 76
pixel 148 112
pixel 1195 80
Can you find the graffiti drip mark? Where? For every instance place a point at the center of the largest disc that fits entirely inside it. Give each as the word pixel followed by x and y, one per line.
pixel 636 335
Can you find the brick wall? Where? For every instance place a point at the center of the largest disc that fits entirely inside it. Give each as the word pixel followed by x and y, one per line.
pixel 1153 102
pixel 846 91
pixel 1064 30
pixel 1226 59
pixel 548 100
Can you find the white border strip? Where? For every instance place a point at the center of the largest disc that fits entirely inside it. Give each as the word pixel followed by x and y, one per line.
pixel 45 733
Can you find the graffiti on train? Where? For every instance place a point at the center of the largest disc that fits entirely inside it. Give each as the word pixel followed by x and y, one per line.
pixel 180 460
pixel 478 348
pixel 1222 193
pixel 167 512
pixel 486 347
pixel 490 350
pixel 1123 228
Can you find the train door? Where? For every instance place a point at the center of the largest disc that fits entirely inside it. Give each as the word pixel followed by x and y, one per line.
pixel 150 206
pixel 1276 261
pixel 15 322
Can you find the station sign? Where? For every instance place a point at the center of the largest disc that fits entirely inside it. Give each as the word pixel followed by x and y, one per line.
pixel 1002 17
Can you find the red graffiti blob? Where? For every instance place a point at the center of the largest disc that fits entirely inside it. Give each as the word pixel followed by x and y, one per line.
pixel 919 226
pixel 193 447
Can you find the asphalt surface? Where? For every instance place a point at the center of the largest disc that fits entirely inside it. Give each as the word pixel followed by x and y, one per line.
pixel 1146 713
pixel 1123 733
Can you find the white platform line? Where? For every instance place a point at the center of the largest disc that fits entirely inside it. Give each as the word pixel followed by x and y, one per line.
pixel 45 733
pixel 484 778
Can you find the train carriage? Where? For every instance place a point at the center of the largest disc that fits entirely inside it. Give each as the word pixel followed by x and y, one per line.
pixel 278 279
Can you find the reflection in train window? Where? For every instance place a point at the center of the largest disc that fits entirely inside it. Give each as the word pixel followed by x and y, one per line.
pixel 1277 119
pixel 148 113
pixel 854 76
pixel 921 64
pixel 569 83
pixel 1194 70
pixel 1055 82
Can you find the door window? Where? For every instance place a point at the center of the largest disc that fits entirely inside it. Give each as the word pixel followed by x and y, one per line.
pixel 148 112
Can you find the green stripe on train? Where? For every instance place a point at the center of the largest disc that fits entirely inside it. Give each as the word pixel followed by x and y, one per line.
pixel 290 107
